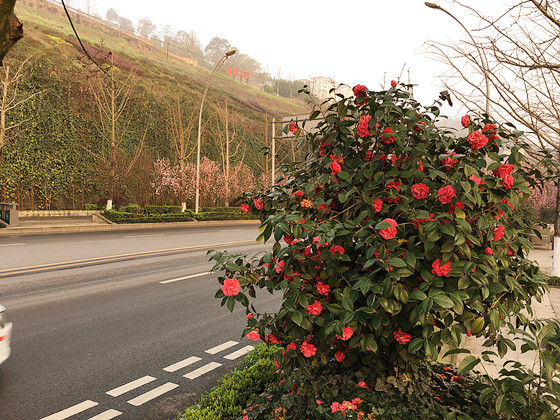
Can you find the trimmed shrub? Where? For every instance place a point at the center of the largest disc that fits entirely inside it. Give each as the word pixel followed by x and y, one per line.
pixel 90 206
pixel 162 209
pixel 205 216
pixel 123 217
pixel 131 208
pixel 228 399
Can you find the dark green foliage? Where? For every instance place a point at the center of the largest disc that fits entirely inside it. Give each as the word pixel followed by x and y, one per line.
pixel 228 399
pixel 131 208
pixel 90 206
pixel 223 216
pixel 553 281
pixel 162 209
pixel 122 217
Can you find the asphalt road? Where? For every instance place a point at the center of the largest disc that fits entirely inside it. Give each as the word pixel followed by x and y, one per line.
pixel 103 337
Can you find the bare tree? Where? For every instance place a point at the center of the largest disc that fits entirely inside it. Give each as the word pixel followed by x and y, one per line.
pixel 90 7
pixel 182 126
pixel 225 135
pixel 11 99
pixel 518 55
pixel 112 98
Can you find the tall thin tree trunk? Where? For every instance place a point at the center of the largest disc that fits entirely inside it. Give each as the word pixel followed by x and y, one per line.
pixel 556 244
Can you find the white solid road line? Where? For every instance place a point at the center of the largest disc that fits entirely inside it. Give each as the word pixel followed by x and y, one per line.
pixel 183 363
pixel 75 409
pixel 192 276
pixel 221 347
pixel 107 415
pixel 238 353
pixel 154 393
pixel 19 243
pixel 130 386
pixel 201 371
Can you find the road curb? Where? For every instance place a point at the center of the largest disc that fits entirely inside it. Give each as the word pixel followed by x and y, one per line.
pixel 123 226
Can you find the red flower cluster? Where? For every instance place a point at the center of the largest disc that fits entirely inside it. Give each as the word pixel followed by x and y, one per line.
pixel 231 287
pixel 419 190
pixel 402 337
pixel 315 308
pixel 477 140
pixel 446 194
pixel 244 208
pixel 258 203
pixel 499 233
pixel 465 121
pixel 363 127
pixel 307 349
pixel 336 248
pixel 293 127
pixel 391 232
pixel 323 289
pixel 388 139
pixel 254 335
pixel 441 270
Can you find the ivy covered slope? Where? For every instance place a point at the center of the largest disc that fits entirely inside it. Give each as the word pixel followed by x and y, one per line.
pixel 54 156
pixel 392 240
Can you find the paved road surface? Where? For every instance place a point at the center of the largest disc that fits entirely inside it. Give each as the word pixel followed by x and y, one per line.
pixel 141 335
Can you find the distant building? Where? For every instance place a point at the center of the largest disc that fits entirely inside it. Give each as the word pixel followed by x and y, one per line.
pixel 320 88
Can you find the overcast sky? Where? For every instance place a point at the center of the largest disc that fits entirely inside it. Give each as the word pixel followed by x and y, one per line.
pixel 359 41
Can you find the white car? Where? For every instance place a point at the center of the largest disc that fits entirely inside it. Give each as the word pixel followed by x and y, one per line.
pixel 5 334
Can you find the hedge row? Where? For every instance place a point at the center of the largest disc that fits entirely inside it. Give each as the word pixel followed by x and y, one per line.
pixel 228 399
pixel 187 216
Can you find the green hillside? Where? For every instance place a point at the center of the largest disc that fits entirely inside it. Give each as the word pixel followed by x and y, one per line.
pixel 59 154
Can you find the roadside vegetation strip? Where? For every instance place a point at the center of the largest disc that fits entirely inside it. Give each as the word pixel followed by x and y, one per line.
pixel 113 258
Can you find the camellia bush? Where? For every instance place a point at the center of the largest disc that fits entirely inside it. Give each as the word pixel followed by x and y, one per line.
pixel 394 240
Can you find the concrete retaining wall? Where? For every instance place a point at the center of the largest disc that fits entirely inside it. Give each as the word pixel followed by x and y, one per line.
pixel 58 213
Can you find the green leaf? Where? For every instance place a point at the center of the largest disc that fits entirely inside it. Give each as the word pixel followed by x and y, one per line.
pixel 343 175
pixel 383 225
pixel 396 262
pixel 417 295
pixel 415 345
pixel 497 288
pixel 467 364
pixel 477 325
pixel 441 299
pixel 297 317
pixel 455 351
pixel 448 230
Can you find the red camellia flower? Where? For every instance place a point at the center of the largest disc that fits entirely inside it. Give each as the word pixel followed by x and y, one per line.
pixel 388 139
pixel 419 126
pixel 455 378
pixel 401 337
pixel 441 270
pixel 377 204
pixel 503 169
pixel 336 248
pixel 359 90
pixel 254 335
pixel 291 346
pixel 308 349
pixel 335 167
pixel 293 127
pixel 363 126
pixel 244 208
pixel 339 356
pixel 449 162
pixel 393 83
pixel 272 339
pixel 489 128
pixel 393 185
pixel 446 194
pixel 499 233
pixel 362 385
pixel 465 121
pixel 249 316
pixel 476 179
pixel 346 334
pixel 477 140
pixel 421 222
pixel 280 266
pixel 489 251
pixel 258 203
pixel 323 289
pixel 230 287
pixel 391 232
pixel 419 190
pixel 315 308
pixel 507 181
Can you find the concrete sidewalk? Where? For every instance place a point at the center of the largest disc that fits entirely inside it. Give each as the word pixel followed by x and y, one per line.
pixel 85 224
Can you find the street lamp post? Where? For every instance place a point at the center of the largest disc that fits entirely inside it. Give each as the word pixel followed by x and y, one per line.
pixel 482 58
pixel 218 65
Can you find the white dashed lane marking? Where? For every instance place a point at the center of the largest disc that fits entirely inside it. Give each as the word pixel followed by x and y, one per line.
pixel 154 393
pixel 18 243
pixel 202 370
pixel 221 347
pixel 192 276
pixel 107 415
pixel 70 411
pixel 183 363
pixel 238 353
pixel 130 386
